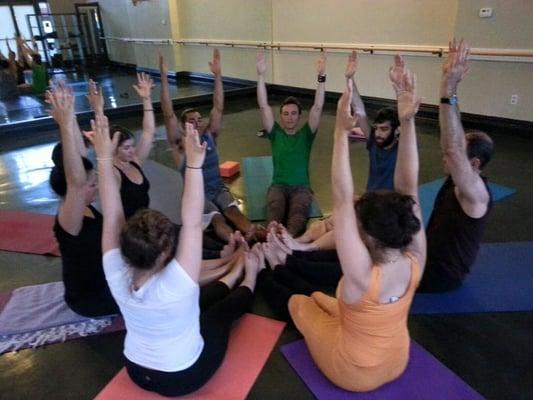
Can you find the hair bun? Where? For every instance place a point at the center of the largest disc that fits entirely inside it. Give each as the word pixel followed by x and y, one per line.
pixel 57 155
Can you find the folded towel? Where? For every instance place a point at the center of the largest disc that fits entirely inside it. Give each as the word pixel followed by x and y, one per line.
pixel 38 315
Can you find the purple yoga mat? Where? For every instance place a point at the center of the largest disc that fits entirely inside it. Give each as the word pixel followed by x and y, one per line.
pixel 425 378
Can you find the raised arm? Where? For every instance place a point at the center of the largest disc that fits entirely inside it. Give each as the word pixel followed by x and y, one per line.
pixel 12 60
pixel 215 116
pixel 316 110
pixel 72 209
pixel 407 164
pixel 96 101
pixel 358 107
pixel 144 91
pixel 107 183
pixel 172 126
pixel 353 254
pixel 25 50
pixel 471 191
pixel 267 118
pixel 95 97
pixel 189 253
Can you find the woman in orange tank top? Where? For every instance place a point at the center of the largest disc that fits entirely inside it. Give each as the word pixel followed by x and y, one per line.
pixel 359 339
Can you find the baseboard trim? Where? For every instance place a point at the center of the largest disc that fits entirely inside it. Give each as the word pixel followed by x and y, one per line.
pixel 203 77
pixel 133 110
pixel 247 88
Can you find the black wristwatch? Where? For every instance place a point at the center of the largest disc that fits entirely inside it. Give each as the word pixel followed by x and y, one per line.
pixel 452 100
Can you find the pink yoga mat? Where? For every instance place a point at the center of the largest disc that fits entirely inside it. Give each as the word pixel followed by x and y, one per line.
pixel 250 344
pixel 26 232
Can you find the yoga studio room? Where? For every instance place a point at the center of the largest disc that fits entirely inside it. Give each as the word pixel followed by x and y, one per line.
pixel 266 199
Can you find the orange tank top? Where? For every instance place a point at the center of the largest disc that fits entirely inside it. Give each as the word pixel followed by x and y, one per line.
pixel 373 334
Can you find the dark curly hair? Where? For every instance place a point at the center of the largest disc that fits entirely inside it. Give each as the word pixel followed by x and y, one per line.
pixel 125 133
pixel 146 235
pixel 57 179
pixel 385 115
pixel 388 217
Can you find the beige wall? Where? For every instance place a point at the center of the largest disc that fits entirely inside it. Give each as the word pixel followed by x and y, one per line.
pixel 486 90
pixel 228 20
pixel 489 86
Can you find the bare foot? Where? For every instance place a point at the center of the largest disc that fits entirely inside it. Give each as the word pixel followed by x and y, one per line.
pixel 240 246
pixel 235 274
pixel 271 255
pixel 290 241
pixel 252 267
pixel 260 233
pixel 281 251
pixel 230 248
pixel 280 238
pixel 274 225
pixel 256 233
pixel 258 251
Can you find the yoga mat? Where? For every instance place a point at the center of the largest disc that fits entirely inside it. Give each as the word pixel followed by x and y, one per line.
pixel 166 189
pixel 257 172
pixel 425 378
pixel 26 232
pixel 251 342
pixel 37 315
pixel 501 279
pixel 428 193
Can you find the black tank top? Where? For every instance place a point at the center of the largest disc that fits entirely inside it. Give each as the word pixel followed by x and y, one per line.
pixel 86 290
pixel 453 238
pixel 134 196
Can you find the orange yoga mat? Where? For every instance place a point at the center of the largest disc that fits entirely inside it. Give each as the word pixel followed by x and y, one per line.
pixel 251 342
pixel 26 232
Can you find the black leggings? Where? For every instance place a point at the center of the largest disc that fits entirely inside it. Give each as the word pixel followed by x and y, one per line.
pixel 320 267
pixel 279 285
pixel 94 306
pixel 210 246
pixel 436 280
pixel 220 307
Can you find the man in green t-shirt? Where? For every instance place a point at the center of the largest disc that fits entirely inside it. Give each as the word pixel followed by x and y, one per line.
pixel 289 197
pixel 39 75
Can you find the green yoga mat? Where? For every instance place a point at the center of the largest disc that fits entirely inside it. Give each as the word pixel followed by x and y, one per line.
pixel 257 172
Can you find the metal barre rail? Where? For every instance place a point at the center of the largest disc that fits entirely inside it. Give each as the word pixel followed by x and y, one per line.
pixel 306 46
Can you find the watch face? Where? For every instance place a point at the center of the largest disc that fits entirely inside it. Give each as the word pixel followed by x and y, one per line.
pixel 452 100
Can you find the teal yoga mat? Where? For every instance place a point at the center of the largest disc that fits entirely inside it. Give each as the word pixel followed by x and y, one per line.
pixel 257 172
pixel 428 193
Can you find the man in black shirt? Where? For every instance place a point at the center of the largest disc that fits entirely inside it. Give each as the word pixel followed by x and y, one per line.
pixel 463 204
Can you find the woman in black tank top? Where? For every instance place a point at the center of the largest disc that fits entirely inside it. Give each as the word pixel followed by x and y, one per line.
pixel 78 225
pixel 129 156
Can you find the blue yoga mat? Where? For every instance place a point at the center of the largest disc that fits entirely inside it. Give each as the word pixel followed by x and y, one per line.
pixel 257 172
pixel 428 193
pixel 501 280
pixel 425 378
